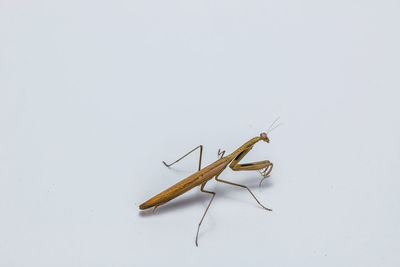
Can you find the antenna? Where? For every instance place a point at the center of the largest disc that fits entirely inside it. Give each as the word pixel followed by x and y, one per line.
pixel 270 127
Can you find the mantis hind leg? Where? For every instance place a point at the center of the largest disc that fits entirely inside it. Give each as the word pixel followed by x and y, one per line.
pixel 243 186
pixel 201 154
pixel 204 214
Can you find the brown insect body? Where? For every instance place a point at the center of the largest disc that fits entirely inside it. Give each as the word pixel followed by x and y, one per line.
pixel 186 184
pixel 199 177
pixel 202 176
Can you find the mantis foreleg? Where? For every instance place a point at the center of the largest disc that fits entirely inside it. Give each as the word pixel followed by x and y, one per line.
pixel 253 166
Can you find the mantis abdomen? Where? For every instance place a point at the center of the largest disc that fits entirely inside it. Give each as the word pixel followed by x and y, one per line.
pixel 186 184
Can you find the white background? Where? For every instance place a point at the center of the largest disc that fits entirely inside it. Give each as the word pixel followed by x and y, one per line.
pixel 95 94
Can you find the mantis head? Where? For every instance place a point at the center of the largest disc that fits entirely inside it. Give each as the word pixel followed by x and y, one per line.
pixel 264 137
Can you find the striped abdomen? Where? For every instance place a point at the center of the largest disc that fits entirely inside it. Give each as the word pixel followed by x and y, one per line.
pixel 186 184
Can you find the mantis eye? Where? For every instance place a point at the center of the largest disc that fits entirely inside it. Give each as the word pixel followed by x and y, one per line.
pixel 263 135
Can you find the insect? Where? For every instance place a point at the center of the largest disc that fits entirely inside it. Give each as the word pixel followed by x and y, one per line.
pixel 202 176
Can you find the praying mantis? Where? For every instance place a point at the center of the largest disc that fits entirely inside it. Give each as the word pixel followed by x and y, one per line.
pixel 202 176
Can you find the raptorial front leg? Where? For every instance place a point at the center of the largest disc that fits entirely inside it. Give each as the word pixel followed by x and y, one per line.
pixel 201 154
pixel 204 214
pixel 264 167
pixel 243 186
pixel 253 166
pixel 265 172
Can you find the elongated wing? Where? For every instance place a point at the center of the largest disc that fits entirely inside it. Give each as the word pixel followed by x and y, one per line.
pixel 186 184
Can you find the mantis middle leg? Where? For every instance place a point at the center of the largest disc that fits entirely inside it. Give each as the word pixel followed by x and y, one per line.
pixel 243 186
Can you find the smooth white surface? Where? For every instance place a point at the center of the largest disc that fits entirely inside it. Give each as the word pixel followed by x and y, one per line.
pixel 94 95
